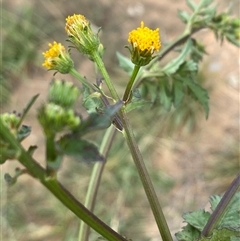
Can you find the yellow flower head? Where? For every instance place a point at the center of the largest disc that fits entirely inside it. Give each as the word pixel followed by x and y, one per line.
pixel 81 35
pixel 144 43
pixel 57 58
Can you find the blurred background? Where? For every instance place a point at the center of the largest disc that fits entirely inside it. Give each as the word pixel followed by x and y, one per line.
pixel 188 157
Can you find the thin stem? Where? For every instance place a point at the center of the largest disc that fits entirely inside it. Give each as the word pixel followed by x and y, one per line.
pixel 95 180
pixel 221 208
pixel 179 40
pixel 57 189
pixel 100 64
pixel 127 92
pixel 81 78
pixel 168 48
pixel 50 154
pixel 145 179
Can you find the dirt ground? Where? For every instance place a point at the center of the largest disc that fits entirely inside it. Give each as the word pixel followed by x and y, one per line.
pixel 185 158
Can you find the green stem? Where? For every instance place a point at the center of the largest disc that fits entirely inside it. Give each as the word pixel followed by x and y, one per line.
pixel 57 189
pixel 221 208
pixel 50 154
pixel 100 64
pixel 145 179
pixel 74 73
pixel 95 180
pixel 127 92
pixel 138 159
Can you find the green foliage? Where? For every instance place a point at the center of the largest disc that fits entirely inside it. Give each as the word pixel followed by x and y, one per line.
pixel 125 63
pixel 199 93
pixel 97 121
pixel 81 150
pixel 222 235
pixel 172 67
pixel 205 16
pixel 228 227
pixel 136 102
pixel 189 233
pixel 197 219
pixel 168 86
pixel 231 220
pixel 92 101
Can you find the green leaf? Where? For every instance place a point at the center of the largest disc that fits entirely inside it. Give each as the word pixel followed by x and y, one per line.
pixel 125 63
pixel 191 5
pixel 214 201
pixel 208 13
pixel 164 94
pixel 184 16
pixel 236 238
pixel 82 150
pixel 174 65
pixel 148 90
pixel 199 93
pixel 189 233
pixel 23 132
pixel 137 105
pixel 96 121
pixel 222 235
pixel 231 218
pixel 178 93
pixel 197 219
pixel 228 229
pixel 232 39
pixel 91 102
pixel 204 3
pixel 191 66
pixel 136 101
pixel 27 108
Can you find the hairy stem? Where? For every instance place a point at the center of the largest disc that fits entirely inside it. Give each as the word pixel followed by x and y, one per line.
pixel 101 66
pixel 50 154
pixel 145 179
pixel 74 73
pixel 95 180
pixel 127 92
pixel 138 160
